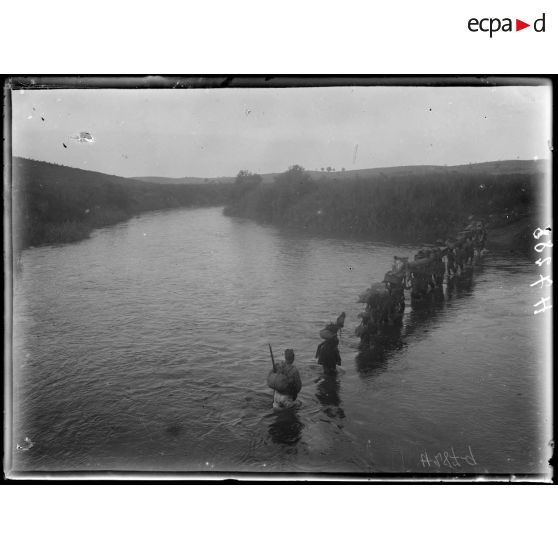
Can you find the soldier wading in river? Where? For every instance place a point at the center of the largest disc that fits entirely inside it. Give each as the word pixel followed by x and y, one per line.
pixel 327 352
pixel 284 379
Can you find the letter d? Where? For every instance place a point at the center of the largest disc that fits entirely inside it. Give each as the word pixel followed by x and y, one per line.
pixel 541 30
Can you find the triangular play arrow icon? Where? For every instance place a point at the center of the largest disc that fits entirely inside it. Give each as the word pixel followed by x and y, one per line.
pixel 519 25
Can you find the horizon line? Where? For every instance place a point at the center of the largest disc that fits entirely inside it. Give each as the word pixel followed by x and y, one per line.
pixel 137 177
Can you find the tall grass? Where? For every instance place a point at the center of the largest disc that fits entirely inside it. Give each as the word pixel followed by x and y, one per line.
pixel 413 207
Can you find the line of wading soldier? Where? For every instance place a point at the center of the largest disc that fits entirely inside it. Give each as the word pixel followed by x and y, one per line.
pixel 430 269
pixel 385 303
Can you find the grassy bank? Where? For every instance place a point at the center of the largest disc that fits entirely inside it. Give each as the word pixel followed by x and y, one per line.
pixel 54 204
pixel 408 206
pixel 514 237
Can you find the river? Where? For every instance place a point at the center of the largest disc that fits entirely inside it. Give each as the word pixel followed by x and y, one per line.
pixel 144 348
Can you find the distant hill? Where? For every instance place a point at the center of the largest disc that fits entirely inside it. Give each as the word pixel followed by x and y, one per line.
pixel 516 166
pixel 52 173
pixel 184 180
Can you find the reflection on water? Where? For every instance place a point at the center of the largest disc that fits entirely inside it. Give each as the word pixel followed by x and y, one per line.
pixel 327 392
pixel 145 348
pixel 285 427
pixel 375 350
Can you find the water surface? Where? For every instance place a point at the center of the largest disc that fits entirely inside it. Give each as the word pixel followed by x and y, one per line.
pixel 145 348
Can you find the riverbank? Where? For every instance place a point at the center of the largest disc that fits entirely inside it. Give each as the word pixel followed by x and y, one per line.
pixel 515 237
pixel 413 207
pixel 54 204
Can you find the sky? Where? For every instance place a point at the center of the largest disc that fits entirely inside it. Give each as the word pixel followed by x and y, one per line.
pixel 217 132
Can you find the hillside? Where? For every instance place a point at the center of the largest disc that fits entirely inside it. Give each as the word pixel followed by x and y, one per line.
pixel 53 203
pixel 492 167
pixel 184 180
